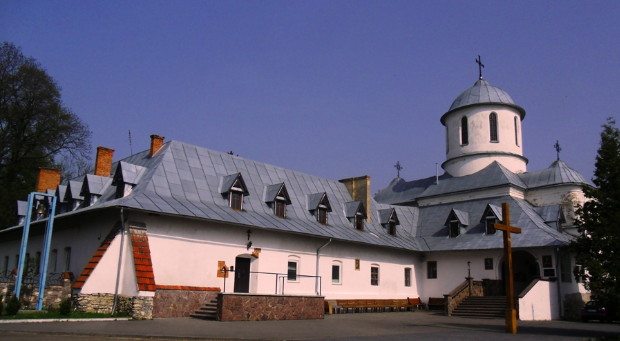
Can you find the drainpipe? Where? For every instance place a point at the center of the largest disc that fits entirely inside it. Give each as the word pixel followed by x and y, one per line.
pixel 316 279
pixel 120 261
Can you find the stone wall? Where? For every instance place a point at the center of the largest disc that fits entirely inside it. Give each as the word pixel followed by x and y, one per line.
pixel 54 294
pixel 139 307
pixel 180 303
pixel 244 307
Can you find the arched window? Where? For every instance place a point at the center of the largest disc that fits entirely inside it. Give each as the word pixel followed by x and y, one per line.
pixel 516 131
pixel 464 131
pixel 493 126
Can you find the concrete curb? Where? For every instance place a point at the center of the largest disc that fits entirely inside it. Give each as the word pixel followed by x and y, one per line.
pixel 103 319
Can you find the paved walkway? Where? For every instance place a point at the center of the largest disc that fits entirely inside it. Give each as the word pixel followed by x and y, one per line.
pixel 420 325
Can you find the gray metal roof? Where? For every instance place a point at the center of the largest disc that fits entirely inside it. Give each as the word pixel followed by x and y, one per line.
pixel 557 173
pixel 535 233
pixel 22 208
pixel 61 190
pixel 483 93
pixel 400 191
pixel 187 180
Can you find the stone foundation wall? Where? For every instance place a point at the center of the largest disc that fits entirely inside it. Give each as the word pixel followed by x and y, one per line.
pixel 244 307
pixel 139 307
pixel 54 294
pixel 180 303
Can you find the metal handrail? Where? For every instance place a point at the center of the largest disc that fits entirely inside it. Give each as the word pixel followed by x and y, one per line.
pixel 278 276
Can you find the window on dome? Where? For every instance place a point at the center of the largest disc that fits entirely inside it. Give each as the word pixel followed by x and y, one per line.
pixel 454 228
pixel 236 199
pixel 489 225
pixel 493 127
pixel 516 131
pixel 464 131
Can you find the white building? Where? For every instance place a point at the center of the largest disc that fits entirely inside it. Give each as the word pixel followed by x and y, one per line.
pixel 169 219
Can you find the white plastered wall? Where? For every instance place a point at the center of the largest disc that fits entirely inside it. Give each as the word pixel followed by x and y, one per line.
pixel 186 252
pixel 103 277
pixel 479 140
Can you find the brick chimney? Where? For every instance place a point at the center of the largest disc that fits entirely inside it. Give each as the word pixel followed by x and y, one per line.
pixel 103 163
pixel 156 143
pixel 48 178
pixel 359 188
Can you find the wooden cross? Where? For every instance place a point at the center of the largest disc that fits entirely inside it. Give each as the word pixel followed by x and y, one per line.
pixel 480 66
pixel 511 313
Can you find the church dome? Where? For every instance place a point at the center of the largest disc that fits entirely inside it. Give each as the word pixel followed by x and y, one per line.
pixel 483 93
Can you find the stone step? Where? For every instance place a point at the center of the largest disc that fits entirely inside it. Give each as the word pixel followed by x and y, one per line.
pixel 207 311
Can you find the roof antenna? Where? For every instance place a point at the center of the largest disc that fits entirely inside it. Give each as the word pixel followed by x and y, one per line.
pixel 558 149
pixel 480 66
pixel 130 147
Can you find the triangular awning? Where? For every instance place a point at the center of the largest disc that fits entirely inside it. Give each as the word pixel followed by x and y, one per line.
pixel 315 200
pixel 492 210
pixel 388 215
pixel 95 184
pixel 127 173
pixel 353 208
pixel 228 182
pixel 277 191
pixel 461 216
pixel 73 191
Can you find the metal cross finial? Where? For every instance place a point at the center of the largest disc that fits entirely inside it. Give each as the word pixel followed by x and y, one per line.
pixel 558 149
pixel 398 168
pixel 480 66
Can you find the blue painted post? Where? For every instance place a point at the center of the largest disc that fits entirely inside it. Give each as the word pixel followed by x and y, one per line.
pixel 46 251
pixel 23 247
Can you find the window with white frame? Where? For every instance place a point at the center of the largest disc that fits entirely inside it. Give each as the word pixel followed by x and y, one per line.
pixel 336 273
pixel 374 274
pixel 292 269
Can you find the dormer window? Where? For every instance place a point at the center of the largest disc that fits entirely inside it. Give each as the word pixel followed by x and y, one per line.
pixel 355 212
pixel 359 222
pixel 388 219
pixel 93 187
pixel 233 187
pixel 492 215
pixel 456 222
pixel 235 197
pixel 126 177
pixel 319 206
pixel 277 196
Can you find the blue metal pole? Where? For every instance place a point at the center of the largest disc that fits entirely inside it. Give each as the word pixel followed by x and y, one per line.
pixel 23 247
pixel 46 251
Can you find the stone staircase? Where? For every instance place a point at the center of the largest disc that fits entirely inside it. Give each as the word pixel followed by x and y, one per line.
pixel 207 312
pixel 481 306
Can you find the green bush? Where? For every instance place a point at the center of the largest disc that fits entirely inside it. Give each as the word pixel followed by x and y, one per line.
pixel 65 307
pixel 12 307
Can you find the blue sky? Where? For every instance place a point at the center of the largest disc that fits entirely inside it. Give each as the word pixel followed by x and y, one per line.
pixel 330 88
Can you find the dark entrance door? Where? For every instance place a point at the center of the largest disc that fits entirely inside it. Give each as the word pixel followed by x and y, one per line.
pixel 525 269
pixel 242 274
